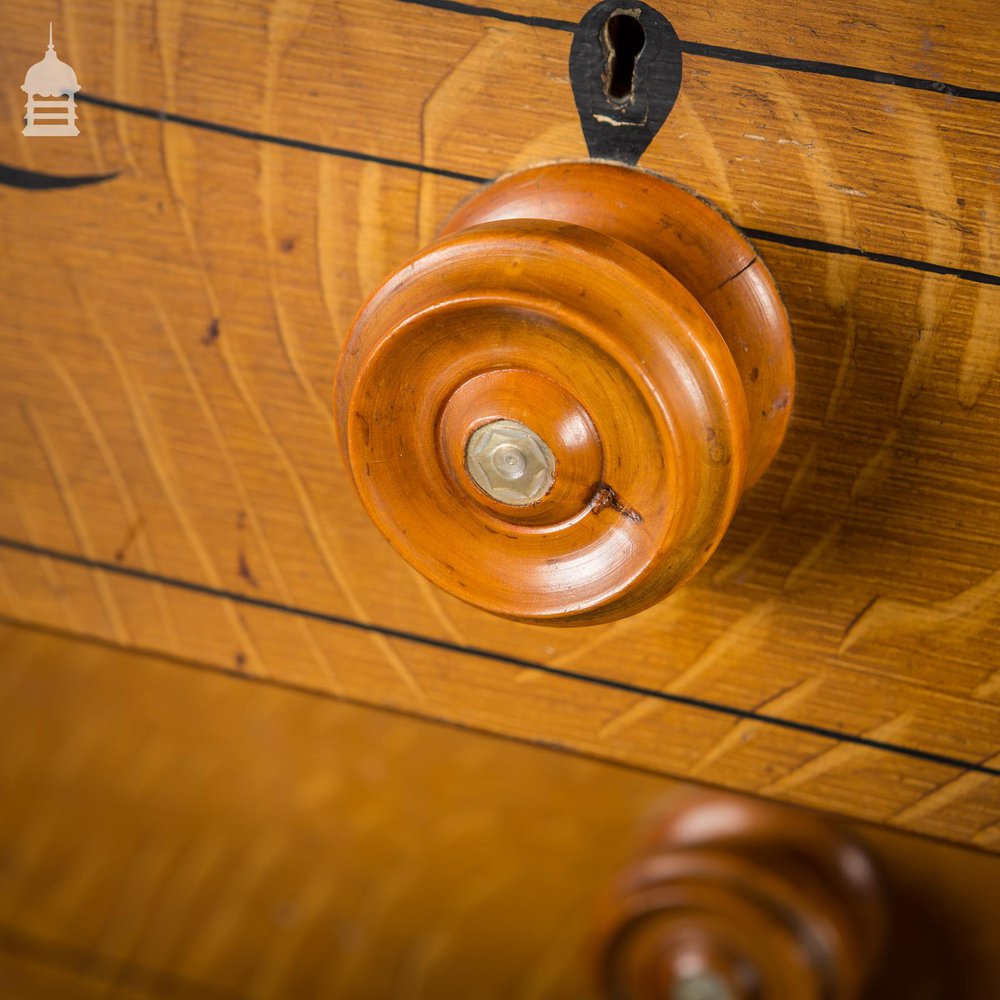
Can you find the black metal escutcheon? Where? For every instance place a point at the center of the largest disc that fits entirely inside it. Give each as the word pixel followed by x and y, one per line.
pixel 625 69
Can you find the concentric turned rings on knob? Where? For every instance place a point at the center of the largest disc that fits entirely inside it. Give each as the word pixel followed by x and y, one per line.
pixel 463 339
pixel 545 421
pixel 743 900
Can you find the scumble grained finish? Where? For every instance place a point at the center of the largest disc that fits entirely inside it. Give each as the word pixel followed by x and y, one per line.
pixel 176 832
pixel 629 327
pixel 167 832
pixel 167 357
pixel 747 901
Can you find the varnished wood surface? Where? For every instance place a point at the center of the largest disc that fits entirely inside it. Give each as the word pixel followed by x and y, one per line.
pixel 764 901
pixel 170 337
pixel 169 832
pixel 891 169
pixel 551 301
pixel 173 832
pixel 690 240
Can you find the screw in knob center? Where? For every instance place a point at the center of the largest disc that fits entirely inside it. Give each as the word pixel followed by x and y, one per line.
pixel 700 986
pixel 509 462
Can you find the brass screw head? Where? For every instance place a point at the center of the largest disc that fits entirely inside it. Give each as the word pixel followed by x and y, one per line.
pixel 509 462
pixel 700 986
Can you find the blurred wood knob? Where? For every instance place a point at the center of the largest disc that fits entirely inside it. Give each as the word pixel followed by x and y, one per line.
pixel 552 411
pixel 736 899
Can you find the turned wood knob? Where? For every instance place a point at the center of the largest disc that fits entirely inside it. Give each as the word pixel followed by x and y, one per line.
pixel 552 411
pixel 736 899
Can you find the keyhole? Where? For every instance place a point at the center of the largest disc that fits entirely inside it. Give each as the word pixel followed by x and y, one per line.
pixel 623 39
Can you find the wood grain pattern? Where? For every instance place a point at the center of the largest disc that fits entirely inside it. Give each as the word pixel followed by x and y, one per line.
pixel 165 400
pixel 894 38
pixel 166 832
pixel 180 833
pixel 886 168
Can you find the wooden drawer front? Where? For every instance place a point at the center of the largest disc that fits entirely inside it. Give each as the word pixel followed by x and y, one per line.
pixel 168 473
